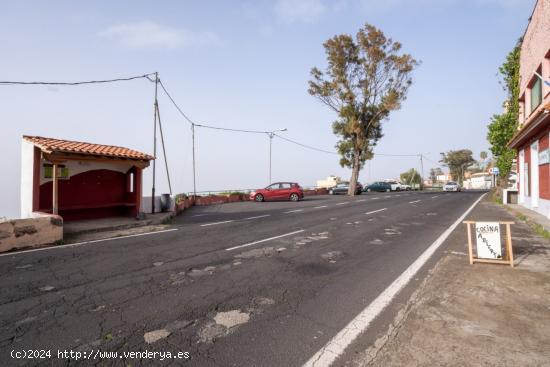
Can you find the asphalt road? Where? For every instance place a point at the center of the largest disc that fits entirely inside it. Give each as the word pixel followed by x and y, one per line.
pixel 243 284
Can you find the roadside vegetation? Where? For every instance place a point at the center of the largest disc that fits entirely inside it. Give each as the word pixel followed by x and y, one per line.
pixel 504 125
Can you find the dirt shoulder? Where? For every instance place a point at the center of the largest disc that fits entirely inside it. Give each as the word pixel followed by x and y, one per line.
pixel 482 314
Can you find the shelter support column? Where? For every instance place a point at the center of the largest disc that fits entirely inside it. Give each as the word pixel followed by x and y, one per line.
pixel 55 194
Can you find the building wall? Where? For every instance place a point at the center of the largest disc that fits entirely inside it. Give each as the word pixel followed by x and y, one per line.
pixel 528 183
pixel 535 54
pixel 27 181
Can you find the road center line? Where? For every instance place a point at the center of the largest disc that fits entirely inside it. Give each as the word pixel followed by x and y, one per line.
pixel 259 216
pixel 360 201
pixel 416 201
pixel 375 198
pixel 337 345
pixel 343 203
pixel 433 197
pixel 85 242
pixel 294 211
pixel 376 211
pixel 264 240
pixel 213 224
pixel 319 207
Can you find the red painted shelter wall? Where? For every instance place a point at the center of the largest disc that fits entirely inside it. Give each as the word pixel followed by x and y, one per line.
pixel 91 194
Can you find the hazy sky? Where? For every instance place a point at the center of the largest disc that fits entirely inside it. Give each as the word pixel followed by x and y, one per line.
pixel 244 65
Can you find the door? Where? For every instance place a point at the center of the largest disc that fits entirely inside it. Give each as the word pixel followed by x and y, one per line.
pixel 284 191
pixel 535 175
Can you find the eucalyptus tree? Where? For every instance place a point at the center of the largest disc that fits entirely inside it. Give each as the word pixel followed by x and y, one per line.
pixel 365 79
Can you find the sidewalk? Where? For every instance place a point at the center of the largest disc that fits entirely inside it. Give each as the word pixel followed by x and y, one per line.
pixel 473 315
pixel 95 229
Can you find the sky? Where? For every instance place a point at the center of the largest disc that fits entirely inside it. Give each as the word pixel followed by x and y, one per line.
pixel 244 65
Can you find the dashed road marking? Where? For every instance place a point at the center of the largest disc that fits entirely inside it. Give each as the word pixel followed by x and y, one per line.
pixel 294 211
pixel 413 202
pixel 264 240
pixel 213 224
pixel 85 243
pixel 321 206
pixel 343 203
pixel 259 216
pixel 375 198
pixel 433 197
pixel 360 201
pixel 338 344
pixel 376 211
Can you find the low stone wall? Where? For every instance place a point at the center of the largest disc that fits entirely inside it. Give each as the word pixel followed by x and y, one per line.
pixel 43 229
pixel 183 202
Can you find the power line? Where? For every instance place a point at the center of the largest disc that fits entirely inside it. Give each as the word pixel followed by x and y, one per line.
pixel 304 145
pixel 175 104
pixel 263 132
pixel 206 126
pixel 146 76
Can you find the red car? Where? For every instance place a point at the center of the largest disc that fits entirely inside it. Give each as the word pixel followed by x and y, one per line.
pixel 279 191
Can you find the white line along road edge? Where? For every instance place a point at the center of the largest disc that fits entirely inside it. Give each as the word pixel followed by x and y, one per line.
pixel 337 345
pixel 86 242
pixel 264 240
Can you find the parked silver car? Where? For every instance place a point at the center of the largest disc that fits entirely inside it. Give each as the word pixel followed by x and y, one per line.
pixel 452 186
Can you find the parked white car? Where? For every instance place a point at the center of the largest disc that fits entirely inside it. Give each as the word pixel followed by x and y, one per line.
pixel 395 186
pixel 405 187
pixel 451 186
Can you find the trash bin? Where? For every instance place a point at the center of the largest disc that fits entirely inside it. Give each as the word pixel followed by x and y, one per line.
pixel 165 202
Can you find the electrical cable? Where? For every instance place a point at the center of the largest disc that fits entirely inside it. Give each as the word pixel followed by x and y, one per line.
pixel 146 76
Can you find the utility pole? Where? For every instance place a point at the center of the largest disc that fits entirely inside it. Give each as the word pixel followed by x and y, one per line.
pixel 194 174
pixel 271 134
pixel 421 172
pixel 155 109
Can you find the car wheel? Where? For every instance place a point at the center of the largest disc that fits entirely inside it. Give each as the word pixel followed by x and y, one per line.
pixel 294 197
pixel 259 198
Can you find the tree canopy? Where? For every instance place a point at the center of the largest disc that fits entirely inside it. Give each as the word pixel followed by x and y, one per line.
pixel 411 177
pixel 457 161
pixel 366 78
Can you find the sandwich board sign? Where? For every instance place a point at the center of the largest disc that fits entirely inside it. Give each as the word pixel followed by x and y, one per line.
pixel 488 242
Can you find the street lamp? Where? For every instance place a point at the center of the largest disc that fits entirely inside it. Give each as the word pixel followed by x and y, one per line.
pixel 271 134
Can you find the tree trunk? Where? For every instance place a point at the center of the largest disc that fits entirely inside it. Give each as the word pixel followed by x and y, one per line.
pixel 354 174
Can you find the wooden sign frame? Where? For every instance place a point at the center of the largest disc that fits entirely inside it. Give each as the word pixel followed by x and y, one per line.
pixel 509 260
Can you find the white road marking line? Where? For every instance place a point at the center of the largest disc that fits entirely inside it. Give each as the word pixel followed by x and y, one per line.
pixel 387 196
pixel 376 211
pixel 375 198
pixel 360 201
pixel 337 345
pixel 433 197
pixel 86 242
pixel 294 211
pixel 199 215
pixel 213 224
pixel 264 240
pixel 343 203
pixel 416 201
pixel 259 216
pixel 319 207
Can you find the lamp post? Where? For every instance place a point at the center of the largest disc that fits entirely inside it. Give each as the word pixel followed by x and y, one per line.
pixel 271 134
